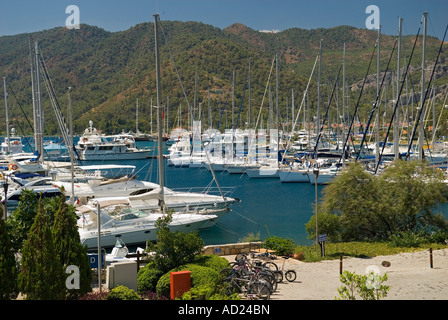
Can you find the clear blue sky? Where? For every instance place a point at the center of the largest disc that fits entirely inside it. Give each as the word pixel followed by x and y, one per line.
pixel 20 16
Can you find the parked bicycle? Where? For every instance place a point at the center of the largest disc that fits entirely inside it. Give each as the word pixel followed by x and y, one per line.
pixel 289 274
pixel 245 266
pixel 246 283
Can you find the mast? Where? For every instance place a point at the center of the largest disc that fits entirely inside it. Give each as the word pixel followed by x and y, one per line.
pixel 250 97
pixel 136 118
pixel 72 196
pixel 397 116
pixel 343 106
pixel 36 94
pixel 421 132
pixel 159 115
pixel 318 92
pixel 7 117
pixel 378 119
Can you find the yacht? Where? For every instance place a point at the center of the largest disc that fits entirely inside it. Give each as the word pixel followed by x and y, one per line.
pixel 94 146
pixel 119 220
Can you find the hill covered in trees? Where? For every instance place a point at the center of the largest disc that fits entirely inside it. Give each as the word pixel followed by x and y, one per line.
pixel 109 71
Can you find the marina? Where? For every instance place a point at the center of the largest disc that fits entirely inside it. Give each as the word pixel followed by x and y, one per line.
pixel 287 141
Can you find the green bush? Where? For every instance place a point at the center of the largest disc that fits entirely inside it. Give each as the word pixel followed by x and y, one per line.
pixel 122 293
pixel 200 275
pixel 370 287
pixel 147 278
pixel 407 239
pixel 216 263
pixel 281 246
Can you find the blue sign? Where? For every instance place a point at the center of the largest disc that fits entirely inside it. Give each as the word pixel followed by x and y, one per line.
pixel 322 237
pixel 93 260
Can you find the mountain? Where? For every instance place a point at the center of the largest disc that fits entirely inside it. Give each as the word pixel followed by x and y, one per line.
pixel 109 71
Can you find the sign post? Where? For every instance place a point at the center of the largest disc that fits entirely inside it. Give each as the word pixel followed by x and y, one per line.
pixel 322 239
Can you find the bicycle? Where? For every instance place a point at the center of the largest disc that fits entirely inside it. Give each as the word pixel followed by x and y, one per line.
pixel 267 257
pixel 246 283
pixel 289 274
pixel 244 266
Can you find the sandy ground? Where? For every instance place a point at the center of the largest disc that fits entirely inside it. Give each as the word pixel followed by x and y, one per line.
pixel 410 276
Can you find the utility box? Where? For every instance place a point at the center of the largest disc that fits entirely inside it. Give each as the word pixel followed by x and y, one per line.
pixel 122 274
pixel 180 282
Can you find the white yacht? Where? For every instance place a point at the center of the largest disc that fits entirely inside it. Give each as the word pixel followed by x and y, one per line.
pixel 133 226
pixel 94 146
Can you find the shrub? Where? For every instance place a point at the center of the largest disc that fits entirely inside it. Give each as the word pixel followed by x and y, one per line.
pixel 199 275
pixel 173 249
pixel 123 293
pixel 407 239
pixel 95 295
pixel 281 246
pixel 216 263
pixel 147 278
pixel 367 287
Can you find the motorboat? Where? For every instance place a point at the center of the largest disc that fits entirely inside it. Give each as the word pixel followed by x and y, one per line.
pixel 93 146
pixel 11 145
pixel 133 226
pixel 38 184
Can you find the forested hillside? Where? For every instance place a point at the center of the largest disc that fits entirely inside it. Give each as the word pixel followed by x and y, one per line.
pixel 109 71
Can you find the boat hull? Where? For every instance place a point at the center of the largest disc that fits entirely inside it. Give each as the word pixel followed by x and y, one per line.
pixel 141 232
pixel 262 173
pixel 291 176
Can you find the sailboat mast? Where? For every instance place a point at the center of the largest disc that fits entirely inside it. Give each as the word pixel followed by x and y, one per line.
pixel 422 95
pixel 377 133
pixel 159 114
pixel 343 106
pixel 318 92
pixel 7 117
pixel 397 116
pixel 136 118
pixel 72 195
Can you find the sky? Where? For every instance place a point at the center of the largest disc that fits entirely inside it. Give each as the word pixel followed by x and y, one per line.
pixel 23 16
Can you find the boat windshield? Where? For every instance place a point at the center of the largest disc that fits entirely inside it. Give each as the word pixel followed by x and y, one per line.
pixel 126 213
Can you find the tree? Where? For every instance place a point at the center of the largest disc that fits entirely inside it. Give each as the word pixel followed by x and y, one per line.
pixel 41 276
pixel 22 218
pixel 371 207
pixel 8 269
pixel 173 249
pixel 68 247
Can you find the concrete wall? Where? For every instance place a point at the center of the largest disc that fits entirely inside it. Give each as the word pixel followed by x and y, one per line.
pixel 232 248
pixel 122 273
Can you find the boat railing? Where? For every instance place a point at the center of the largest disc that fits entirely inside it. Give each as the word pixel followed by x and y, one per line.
pixel 227 191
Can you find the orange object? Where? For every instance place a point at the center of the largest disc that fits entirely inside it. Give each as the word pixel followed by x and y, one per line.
pixel 180 282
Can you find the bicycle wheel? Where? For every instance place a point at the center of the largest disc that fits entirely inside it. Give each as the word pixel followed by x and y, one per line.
pixel 269 277
pixel 271 266
pixel 278 276
pixel 227 273
pixel 260 289
pixel 290 275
